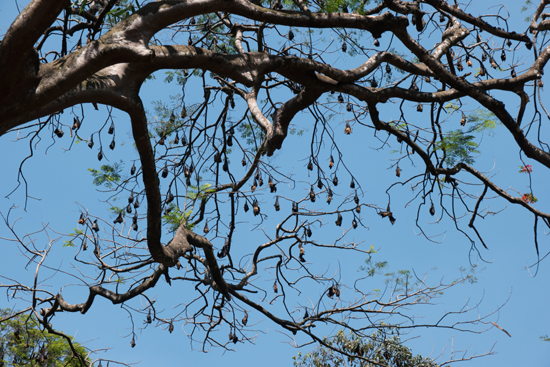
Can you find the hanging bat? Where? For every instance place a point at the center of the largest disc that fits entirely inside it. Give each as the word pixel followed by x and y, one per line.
pixel 76 123
pixel 339 220
pixel 319 183
pixel 169 197
pixel 95 226
pixel 329 196
pixel 312 195
pixel 218 157
pixel 302 253
pixel 388 214
pixel 347 129
pixel 255 207
pixel 482 70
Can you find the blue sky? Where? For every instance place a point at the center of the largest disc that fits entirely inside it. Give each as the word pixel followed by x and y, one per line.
pixel 59 185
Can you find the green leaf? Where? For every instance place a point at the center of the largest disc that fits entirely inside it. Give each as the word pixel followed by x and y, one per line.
pixel 68 244
pixel 458 147
pixel 107 175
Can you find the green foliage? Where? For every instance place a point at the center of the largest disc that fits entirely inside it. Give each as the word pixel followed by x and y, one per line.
pixel 22 343
pixel 253 134
pixel 174 217
pixel 201 192
pixel 354 6
pixel 167 118
pixel 458 147
pixel 384 346
pixel 468 274
pixel 399 281
pixel 482 120
pixel 107 175
pixel 116 210
pixel 123 9
pixel 178 74
pixel 75 234
pixel 545 338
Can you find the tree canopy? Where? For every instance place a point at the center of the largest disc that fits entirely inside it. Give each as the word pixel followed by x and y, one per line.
pixel 286 133
pixel 22 343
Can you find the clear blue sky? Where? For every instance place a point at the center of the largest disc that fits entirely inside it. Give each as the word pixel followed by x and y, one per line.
pixel 60 184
